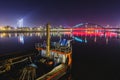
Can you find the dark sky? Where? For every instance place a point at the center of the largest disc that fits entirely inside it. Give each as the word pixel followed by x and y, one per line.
pixel 64 12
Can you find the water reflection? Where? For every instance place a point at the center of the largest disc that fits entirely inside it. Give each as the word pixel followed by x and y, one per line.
pixel 9 35
pixel 85 35
pixel 95 35
pixel 21 39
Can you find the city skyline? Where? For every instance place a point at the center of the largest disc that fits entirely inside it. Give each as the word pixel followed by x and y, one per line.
pixel 60 12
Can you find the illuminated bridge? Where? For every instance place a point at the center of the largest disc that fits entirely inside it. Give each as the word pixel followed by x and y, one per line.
pixel 93 27
pixel 87 26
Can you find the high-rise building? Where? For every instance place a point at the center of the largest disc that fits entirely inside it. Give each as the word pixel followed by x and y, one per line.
pixel 20 23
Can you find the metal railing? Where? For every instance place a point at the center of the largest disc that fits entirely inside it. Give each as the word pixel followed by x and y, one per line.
pixel 56 47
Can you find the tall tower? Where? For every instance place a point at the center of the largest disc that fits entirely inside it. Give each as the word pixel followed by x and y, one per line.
pixel 20 23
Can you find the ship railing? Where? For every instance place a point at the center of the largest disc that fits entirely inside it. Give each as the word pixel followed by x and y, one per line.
pixel 60 48
pixel 55 46
pixel 38 45
pixel 65 49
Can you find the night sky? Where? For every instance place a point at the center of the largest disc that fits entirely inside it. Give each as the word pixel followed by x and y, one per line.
pixel 59 12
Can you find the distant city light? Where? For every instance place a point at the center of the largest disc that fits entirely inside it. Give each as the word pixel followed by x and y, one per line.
pixel 20 23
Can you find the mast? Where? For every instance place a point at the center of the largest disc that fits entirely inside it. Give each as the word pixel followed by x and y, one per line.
pixel 48 39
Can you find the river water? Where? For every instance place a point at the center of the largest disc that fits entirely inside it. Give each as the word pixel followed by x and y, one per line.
pixel 96 55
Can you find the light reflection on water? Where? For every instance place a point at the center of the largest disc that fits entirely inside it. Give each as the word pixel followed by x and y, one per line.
pixel 21 39
pixel 83 34
pixel 41 34
pixel 11 42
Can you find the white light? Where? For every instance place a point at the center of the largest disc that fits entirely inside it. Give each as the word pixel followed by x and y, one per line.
pixel 20 23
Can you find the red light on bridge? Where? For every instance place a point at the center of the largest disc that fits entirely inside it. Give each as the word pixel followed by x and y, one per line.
pixel 93 33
